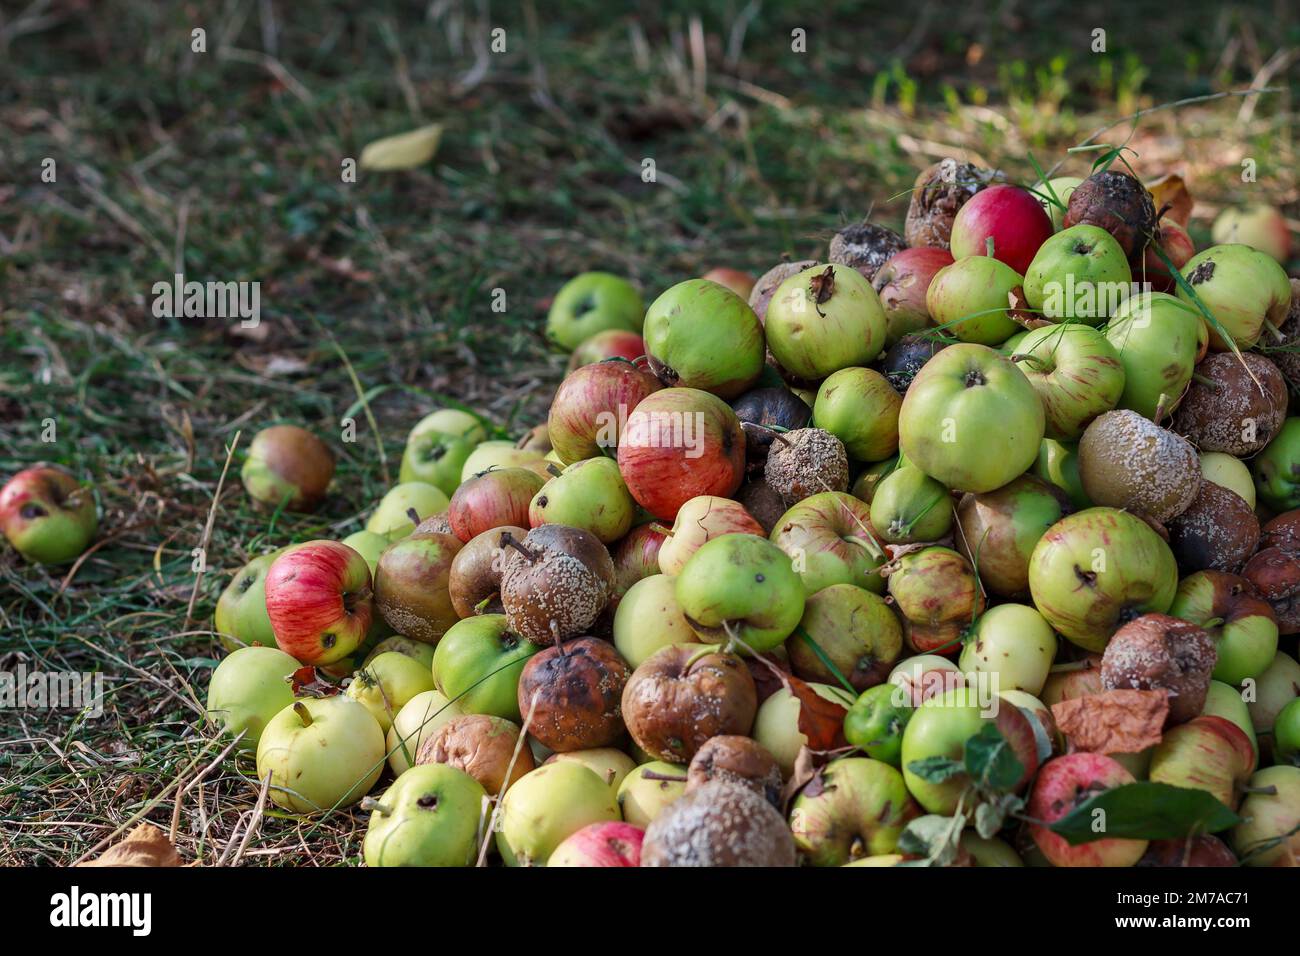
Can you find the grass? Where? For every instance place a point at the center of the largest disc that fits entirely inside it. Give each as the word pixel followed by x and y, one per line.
pixel 225 165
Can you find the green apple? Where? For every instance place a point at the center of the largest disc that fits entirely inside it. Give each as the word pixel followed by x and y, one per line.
pixel 1014 642
pixel 391 517
pixel 971 419
pixel 50 518
pixel 645 792
pixel 498 453
pixel 450 421
pixel 608 763
pixel 845 631
pixel 824 319
pixel 369 545
pixel 1058 464
pixel 545 806
pixel 1062 188
pixel 648 618
pixel 432 815
pixel 999 529
pixel 1286 734
pixel 385 684
pixel 829 539
pixel 416 650
pixel 592 302
pixel 1075 371
pixel 741 586
pixel 1273 690
pixel 247 689
pixel 1224 701
pixel 414 724
pixel 1228 472
pixel 776 725
pixel 436 459
pixel 860 408
pixel 590 495
pixel 869 478
pixel 969 300
pixel 699 334
pixel 1242 623
pixel 909 506
pixel 940 728
pixel 876 721
pixel 240 619
pixel 1205 753
pixel 478 662
pixel 1277 469
pixel 1242 288
pixel 989 851
pixel 855 807
pixel 322 753
pixel 1158 339
pixel 1269 834
pixel 1079 274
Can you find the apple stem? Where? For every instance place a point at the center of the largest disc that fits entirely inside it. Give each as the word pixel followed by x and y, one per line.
pixel 509 540
pixel 414 516
pixel 481 606
pixel 1269 791
pixel 374 806
pixel 553 471
pixel 303 713
pixel 656 775
pixel 1274 331
pixel 1162 403
pixel 775 432
pixel 1037 364
pixel 656 526
pixel 1207 382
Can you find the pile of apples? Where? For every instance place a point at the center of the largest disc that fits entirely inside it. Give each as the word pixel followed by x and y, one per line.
pixel 822 567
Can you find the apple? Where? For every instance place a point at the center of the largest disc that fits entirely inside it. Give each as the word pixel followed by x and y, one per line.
pixel 854 807
pixel 828 536
pixel 700 520
pixel 593 302
pixel 1014 642
pixel 600 844
pixel 588 494
pixel 1228 472
pixel 852 628
pixel 1241 623
pixel 1097 569
pixel 1158 338
pixel 824 319
pixel 474 579
pixel 869 478
pixel 937 593
pixel 1243 289
pixel 478 662
pixel 1058 465
pixel 47 515
pixel 1224 701
pixel 322 753
pixel 700 334
pixel 1277 469
pixel 319 601
pixel 612 343
pixel 902 283
pixel 1200 850
pixel 240 619
pixel 608 763
pixel 367 544
pixel 499 454
pixel 1269 834
pixel 1286 734
pixel 741 283
pixel 988 852
pixel 547 806
pixel 416 650
pixel 1206 753
pixel 591 405
pixel 776 725
pixel 680 443
pixel 289 466
pixel 392 516
pixel 637 556
pixel 999 529
pixel 495 498
pixel 385 684
pixel 860 408
pixel 247 689
pixel 876 721
pixel 432 815
pixel 1079 274
pixel 1274 689
pixel 1258 225
pixel 940 727
pixel 971 419
pixel 411 585
pixel 435 458
pixel 1118 203
pixel 924 676
pixel 1011 217
pixel 741 586
pixel 1063 784
pixel 648 789
pixel 909 507
pixel 969 300
pixel 1060 188
pixel 1072 679
pixel 773 409
pixel 450 421
pixel 1177 245
pixel 649 618
pixel 415 723
pixel 1076 372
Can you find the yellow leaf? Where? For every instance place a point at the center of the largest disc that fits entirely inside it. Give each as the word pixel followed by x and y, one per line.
pixel 404 151
pixel 146 846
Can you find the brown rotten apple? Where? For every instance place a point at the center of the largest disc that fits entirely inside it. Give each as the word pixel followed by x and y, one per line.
pixel 937 195
pixel 805 462
pixel 866 247
pixel 736 759
pixel 555 583
pixel 1119 204
pixel 412 585
pixel 1235 404
pixel 1158 652
pixel 475 577
pixel 1218 530
pixel 720 824
pixel 573 692
pixel 481 745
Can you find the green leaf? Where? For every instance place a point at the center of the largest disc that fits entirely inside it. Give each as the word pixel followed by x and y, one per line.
pixel 935 838
pixel 936 769
pixel 991 762
pixel 1145 811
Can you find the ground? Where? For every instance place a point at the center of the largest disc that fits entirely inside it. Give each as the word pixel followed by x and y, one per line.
pixel 377 295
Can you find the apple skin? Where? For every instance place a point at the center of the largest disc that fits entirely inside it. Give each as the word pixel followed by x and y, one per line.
pixel 1277 469
pixel 240 619
pixel 430 816
pixel 1259 226
pixel 1274 689
pixel 1224 701
pixel 1076 372
pixel 1246 630
pixel 737 281
pixel 924 676
pixel 414 724
pixel 1159 340
pixel 411 585
pixel 1073 680
pixel 854 628
pixel 593 302
pixel 287 464
pixel 680 443
pixel 600 844
pixel 319 601
pixel 467 656
pixel 700 334
pixel 612 343
pixel 46 515
pixel 548 805
pixel 1266 817
pixel 435 459
pixel 588 494
pixel 1286 734
pixel 608 763
pixel 700 520
pixel 1177 245
pixel 1014 642
pixel 1097 569
pixel 450 421
pixel 1242 289
pixel 971 419
pixel 1062 187
pixel 1206 753
pixel 590 406
pixel 989 852
pixel 493 499
pixel 860 408
pixel 367 544
pixel 1011 216
pixel 1071 268
pixel 249 688
pixel 1058 465
pixel 1228 472
pixel 649 618
pixel 1065 782
pixel 940 727
pixel 1201 850
pixel 855 807
pixel 637 557
pixel 391 517
pixel 939 597
pixel 1000 528
pixel 829 535
pixel 812 334
pixel 322 753
pixel 969 300
pixel 910 507
pixel 499 453
pixel 641 798
pixel 776 725
pixel 742 586
pixel 876 721
pixel 385 684
pixel 902 283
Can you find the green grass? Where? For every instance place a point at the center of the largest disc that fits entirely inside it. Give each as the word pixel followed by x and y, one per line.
pixel 228 164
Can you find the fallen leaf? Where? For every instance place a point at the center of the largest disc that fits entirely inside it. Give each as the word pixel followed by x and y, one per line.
pixel 1170 190
pixel 1114 721
pixel 306 682
pixel 403 151
pixel 820 720
pixel 145 846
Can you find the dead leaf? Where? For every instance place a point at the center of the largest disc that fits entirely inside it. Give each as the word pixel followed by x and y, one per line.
pixel 307 682
pixel 403 151
pixel 1113 721
pixel 1019 311
pixel 820 720
pixel 1170 190
pixel 145 846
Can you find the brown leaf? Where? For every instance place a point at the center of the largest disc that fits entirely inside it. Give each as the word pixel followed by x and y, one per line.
pixel 1170 190
pixel 820 720
pixel 306 682
pixel 1018 311
pixel 146 845
pixel 1113 721
pixel 822 286
pixel 805 773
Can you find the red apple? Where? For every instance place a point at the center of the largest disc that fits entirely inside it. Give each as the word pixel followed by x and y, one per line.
pixel 611 843
pixel 319 601
pixel 678 444
pixel 592 404
pixel 637 556
pixel 829 535
pixel 493 499
pixel 901 284
pixel 1177 245
pixel 741 283
pixel 46 515
pixel 1009 215
pixel 1063 784
pixel 612 343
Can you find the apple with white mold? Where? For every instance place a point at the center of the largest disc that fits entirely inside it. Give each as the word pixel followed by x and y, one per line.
pixel 47 515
